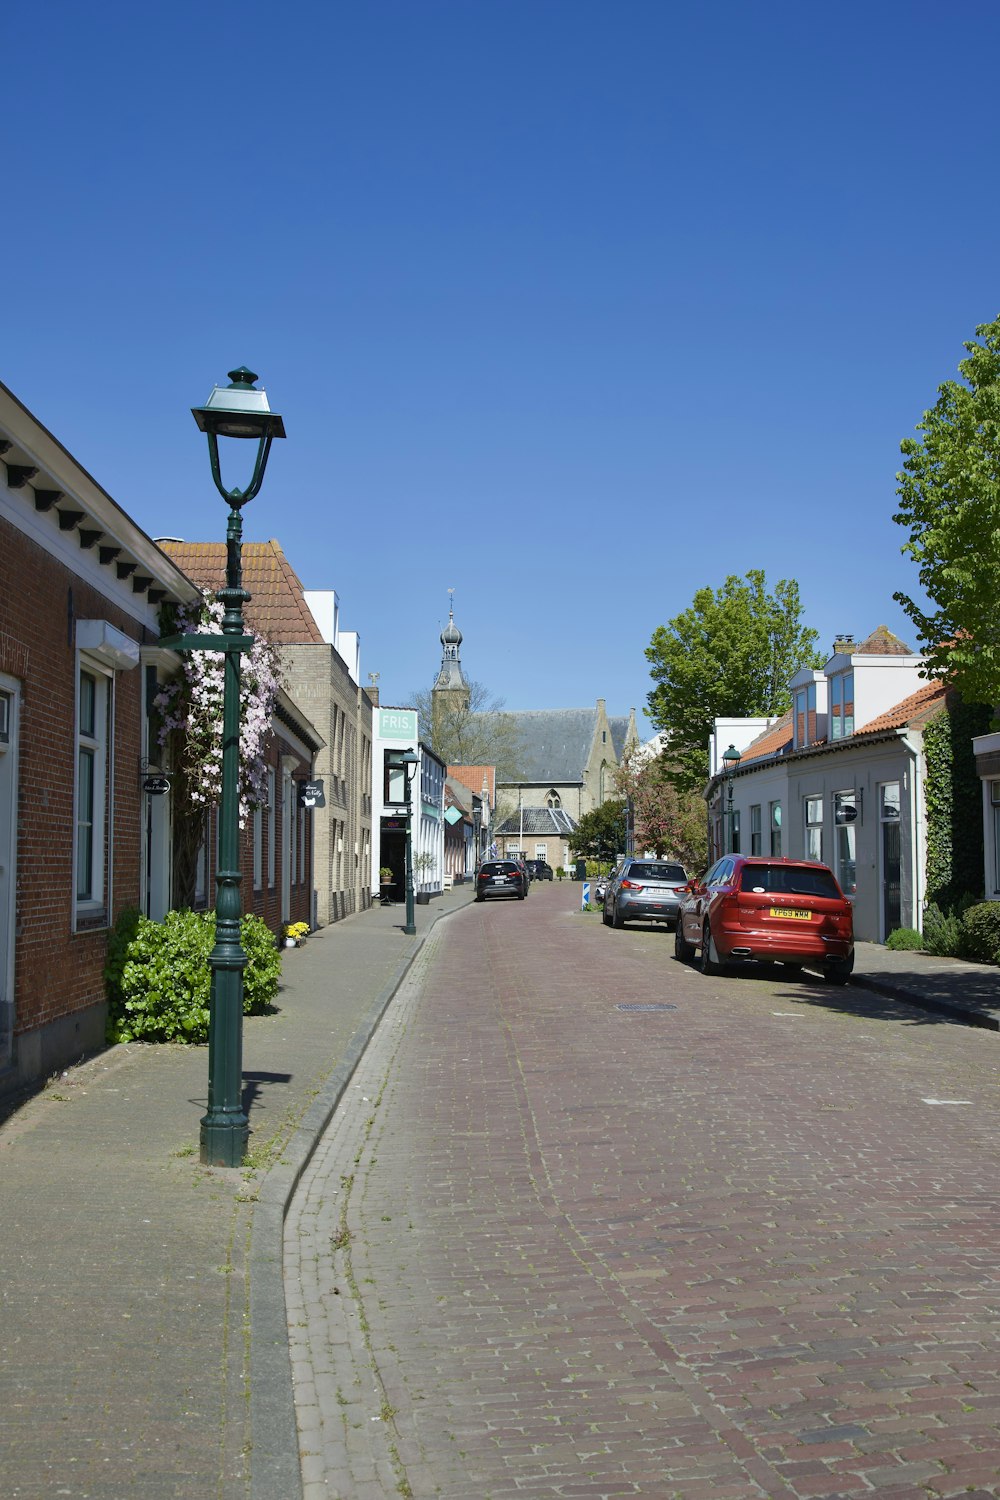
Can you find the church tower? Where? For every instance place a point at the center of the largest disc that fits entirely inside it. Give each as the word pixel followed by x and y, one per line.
pixel 450 693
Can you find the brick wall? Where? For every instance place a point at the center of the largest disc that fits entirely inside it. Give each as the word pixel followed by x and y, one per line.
pixel 59 972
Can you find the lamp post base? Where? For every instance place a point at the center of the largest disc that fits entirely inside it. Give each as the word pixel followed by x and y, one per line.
pixel 224 1140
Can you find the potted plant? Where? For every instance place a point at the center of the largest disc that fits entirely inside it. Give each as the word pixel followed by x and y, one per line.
pixel 423 864
pixel 386 881
pixel 295 934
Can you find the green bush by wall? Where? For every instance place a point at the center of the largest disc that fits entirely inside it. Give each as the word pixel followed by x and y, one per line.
pixel 981 932
pixel 159 980
pixel 953 794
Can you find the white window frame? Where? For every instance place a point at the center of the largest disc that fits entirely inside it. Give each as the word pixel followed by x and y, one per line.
pixel 842 722
pixel 845 843
pixel 94 744
pixel 258 847
pixel 812 842
pixel 755 834
pixel 272 826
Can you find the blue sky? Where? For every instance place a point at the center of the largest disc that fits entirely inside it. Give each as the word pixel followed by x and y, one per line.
pixel 572 307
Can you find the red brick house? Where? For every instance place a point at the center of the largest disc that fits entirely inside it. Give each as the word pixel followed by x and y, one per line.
pixel 85 822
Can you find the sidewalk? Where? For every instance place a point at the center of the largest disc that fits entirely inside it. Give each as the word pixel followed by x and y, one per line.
pixel 949 986
pixel 144 1348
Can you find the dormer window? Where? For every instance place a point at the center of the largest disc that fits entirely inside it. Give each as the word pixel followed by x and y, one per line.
pixel 805 716
pixel 841 705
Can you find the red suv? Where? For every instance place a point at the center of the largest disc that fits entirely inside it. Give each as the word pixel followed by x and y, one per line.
pixel 787 911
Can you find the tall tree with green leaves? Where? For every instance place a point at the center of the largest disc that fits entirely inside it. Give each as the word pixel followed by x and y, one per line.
pixel 667 822
pixel 731 652
pixel 601 832
pixel 949 501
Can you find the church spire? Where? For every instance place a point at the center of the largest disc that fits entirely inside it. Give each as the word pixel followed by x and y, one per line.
pixel 451 678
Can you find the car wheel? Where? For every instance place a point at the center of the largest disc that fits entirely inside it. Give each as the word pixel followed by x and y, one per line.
pixel 708 959
pixel 604 915
pixel 839 971
pixel 683 950
pixel 480 898
pixel 520 895
pixel 617 920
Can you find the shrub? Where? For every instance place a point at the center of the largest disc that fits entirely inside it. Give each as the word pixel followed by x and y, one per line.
pixel 159 978
pixel 904 940
pixel 944 934
pixel 981 932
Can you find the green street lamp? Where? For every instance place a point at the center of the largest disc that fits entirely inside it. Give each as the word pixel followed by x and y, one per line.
pixel 409 762
pixel 238 410
pixel 730 761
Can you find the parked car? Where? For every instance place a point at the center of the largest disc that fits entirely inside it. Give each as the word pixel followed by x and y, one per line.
pixel 501 877
pixel 644 890
pixel 787 911
pixel 539 869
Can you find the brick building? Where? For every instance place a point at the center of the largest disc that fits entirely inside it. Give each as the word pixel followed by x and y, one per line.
pixel 321 665
pixel 80 590
pixel 87 824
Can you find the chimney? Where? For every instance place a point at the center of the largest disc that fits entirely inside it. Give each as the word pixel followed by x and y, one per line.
pixel 843 643
pixel 372 692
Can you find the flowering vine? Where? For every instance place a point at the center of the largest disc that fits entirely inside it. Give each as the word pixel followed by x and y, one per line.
pixel 190 708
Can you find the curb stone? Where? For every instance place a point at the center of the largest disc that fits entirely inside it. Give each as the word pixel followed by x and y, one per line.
pixel 275 1468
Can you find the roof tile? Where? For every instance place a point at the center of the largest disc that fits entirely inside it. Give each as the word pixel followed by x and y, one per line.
pixel 277 606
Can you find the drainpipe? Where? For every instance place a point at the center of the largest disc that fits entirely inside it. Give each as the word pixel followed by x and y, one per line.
pixel 914 748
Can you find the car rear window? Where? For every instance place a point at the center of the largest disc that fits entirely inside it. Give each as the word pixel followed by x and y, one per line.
pixel 657 872
pixel 789 880
pixel 497 867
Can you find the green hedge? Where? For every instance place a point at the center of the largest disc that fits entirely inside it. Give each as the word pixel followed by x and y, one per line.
pixel 981 932
pixel 953 794
pixel 905 940
pixel 158 976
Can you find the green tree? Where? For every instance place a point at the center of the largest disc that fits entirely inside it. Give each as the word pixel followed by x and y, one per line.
pixel 731 652
pixel 477 733
pixel 600 833
pixel 668 822
pixel 949 493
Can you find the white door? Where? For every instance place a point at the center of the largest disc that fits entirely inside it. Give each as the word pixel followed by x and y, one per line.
pixel 9 705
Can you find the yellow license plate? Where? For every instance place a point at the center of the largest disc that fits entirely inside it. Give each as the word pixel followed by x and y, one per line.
pixel 788 911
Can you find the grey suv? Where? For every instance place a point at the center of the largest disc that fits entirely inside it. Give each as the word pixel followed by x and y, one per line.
pixel 644 890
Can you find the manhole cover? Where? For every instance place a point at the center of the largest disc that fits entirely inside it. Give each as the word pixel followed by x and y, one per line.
pixel 645 1007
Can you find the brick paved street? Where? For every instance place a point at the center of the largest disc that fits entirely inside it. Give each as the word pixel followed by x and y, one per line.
pixel 741 1247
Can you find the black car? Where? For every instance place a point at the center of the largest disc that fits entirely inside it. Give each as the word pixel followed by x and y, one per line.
pixel 501 877
pixel 539 870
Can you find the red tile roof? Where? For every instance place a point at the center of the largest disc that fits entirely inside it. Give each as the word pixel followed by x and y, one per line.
pixel 771 742
pixel 917 708
pixel 277 606
pixel 472 777
pixel 881 642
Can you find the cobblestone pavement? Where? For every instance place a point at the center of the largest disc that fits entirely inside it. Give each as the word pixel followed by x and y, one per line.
pixel 741 1244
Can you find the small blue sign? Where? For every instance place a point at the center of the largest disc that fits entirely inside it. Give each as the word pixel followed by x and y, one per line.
pixel 586 893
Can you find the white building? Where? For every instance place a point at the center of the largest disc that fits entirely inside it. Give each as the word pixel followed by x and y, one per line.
pixel 395 731
pixel 840 778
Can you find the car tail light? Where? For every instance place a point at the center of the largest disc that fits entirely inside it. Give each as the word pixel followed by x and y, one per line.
pixel 630 885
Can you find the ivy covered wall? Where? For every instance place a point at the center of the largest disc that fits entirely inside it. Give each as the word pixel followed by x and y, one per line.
pixel 953 794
